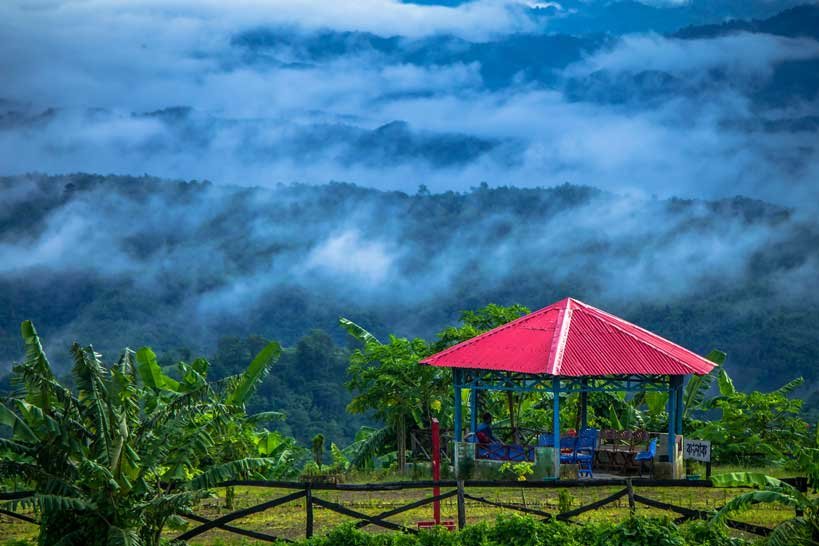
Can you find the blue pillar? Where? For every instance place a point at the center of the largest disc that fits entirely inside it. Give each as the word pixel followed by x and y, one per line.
pixel 584 404
pixel 556 424
pixel 456 385
pixel 473 410
pixel 672 417
pixel 680 408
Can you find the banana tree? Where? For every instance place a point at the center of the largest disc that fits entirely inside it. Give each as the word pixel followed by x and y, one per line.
pixel 388 380
pixel 369 445
pixel 115 461
pixel 755 427
pixel 801 530
pixel 241 436
pixel 651 406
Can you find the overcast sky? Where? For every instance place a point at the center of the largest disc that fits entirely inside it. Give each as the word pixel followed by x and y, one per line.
pixel 291 114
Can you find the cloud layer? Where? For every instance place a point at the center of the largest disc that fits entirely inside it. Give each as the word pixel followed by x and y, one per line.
pixel 316 99
pixel 395 96
pixel 209 256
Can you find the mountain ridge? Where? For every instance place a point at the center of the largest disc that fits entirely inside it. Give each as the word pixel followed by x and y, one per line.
pixel 209 261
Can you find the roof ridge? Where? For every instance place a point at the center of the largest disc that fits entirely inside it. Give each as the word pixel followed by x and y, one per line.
pixel 562 338
pixel 591 311
pixel 498 329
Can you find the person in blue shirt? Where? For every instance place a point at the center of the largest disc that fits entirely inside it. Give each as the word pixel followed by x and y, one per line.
pixel 484 430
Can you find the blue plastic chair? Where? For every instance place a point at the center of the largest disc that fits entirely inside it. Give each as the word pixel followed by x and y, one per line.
pixel 647 456
pixel 584 451
pixel 568 443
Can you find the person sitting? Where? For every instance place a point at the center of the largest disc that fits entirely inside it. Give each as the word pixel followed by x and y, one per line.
pixel 484 431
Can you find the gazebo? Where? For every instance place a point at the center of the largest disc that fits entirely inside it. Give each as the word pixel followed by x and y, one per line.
pixel 570 347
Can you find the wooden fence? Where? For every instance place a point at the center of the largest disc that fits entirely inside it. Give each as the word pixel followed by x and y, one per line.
pixel 312 495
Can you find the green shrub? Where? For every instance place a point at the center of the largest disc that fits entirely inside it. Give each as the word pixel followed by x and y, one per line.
pixel 476 535
pixel 348 535
pixel 564 501
pixel 518 530
pixel 700 533
pixel 639 531
pixel 437 537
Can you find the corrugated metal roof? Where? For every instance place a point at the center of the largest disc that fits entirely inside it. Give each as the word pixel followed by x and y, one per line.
pixel 570 338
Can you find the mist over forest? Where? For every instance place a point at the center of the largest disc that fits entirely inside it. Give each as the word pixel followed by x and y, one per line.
pixel 187 175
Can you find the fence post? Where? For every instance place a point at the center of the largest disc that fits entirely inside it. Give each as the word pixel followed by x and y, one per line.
pixel 630 489
pixel 436 469
pixel 308 504
pixel 461 506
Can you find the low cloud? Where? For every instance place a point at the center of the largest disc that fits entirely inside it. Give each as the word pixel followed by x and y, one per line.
pixel 367 247
pixel 347 255
pixel 738 56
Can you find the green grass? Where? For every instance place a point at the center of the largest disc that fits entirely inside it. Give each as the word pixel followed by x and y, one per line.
pixel 288 521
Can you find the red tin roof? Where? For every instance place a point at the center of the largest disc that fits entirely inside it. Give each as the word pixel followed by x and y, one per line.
pixel 572 339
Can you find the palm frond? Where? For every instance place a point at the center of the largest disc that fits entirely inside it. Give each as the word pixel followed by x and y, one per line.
pixel 174 502
pixel 183 404
pixel 698 385
pixel 747 500
pixel 20 429
pixel 95 472
pixel 89 375
pixel 369 444
pixel 357 331
pixel 36 371
pixel 234 470
pixel 255 374
pixel 59 503
pixel 18 449
pixel 117 536
pixel 772 491
pixel 792 532
pixel 266 417
pixel 748 479
pixel 126 362
pixel 790 386
pixel 726 385
pixel 25 470
pixel 150 372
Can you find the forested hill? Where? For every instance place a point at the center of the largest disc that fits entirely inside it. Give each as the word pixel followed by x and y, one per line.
pixel 796 22
pixel 178 265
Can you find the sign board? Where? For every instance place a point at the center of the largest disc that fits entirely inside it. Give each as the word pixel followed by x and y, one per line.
pixel 697 450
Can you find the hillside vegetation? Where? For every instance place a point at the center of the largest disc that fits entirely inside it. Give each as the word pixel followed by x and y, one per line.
pixel 196 269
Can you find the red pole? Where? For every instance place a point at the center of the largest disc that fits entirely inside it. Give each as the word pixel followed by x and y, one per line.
pixel 436 468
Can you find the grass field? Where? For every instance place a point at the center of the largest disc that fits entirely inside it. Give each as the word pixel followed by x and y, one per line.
pixel 288 521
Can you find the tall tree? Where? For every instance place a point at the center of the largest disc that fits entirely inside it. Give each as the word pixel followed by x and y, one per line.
pixel 389 382
pixel 387 379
